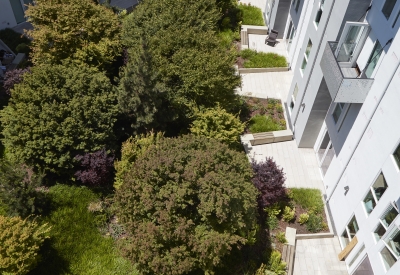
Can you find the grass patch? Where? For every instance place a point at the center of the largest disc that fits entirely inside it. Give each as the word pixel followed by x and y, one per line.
pixel 263 123
pixel 76 246
pixel 254 59
pixel 251 15
pixel 228 36
pixel 310 199
pixel 13 39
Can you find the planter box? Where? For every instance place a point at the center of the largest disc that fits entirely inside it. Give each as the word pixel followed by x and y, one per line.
pixel 262 70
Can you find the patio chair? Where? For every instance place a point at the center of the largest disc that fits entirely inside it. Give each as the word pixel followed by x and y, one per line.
pixel 271 38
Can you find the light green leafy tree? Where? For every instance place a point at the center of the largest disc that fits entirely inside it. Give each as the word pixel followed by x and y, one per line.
pixel 20 244
pixel 217 123
pixel 78 29
pixel 56 113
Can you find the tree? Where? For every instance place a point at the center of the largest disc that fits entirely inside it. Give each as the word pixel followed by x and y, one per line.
pixel 269 179
pixel 218 124
pixel 188 65
pixel 56 113
pixel 14 77
pixel 20 244
pixel 132 149
pixel 186 202
pixel 18 190
pixel 97 169
pixel 77 29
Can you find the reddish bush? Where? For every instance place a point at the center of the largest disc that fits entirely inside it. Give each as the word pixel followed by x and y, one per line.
pixel 269 179
pixel 97 169
pixel 14 77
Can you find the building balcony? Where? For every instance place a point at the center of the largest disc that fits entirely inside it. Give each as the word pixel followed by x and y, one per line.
pixel 344 83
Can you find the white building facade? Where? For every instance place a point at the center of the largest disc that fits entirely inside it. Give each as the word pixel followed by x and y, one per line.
pixel 12 12
pixel 344 102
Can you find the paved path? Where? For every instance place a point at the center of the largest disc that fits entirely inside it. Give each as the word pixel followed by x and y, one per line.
pixel 299 164
pixel 318 257
pixel 264 85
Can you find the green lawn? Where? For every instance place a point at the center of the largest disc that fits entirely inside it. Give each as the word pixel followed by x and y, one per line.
pixel 254 59
pixel 251 15
pixel 76 246
pixel 308 198
pixel 264 123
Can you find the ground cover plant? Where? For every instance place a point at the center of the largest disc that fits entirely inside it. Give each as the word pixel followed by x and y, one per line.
pixel 76 246
pixel 251 15
pixel 263 115
pixel 252 59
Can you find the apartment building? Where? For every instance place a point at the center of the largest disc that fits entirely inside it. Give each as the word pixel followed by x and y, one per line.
pixel 344 102
pixel 12 12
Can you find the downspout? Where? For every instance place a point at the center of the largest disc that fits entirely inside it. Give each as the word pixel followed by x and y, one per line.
pixel 363 133
pixel 313 66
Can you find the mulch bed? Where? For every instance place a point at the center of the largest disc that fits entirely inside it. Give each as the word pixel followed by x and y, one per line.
pixel 300 229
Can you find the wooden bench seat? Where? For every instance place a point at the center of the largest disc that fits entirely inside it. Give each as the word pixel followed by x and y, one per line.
pixel 271 137
pixel 244 38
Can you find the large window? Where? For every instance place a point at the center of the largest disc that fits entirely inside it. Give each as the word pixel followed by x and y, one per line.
pixel 388 216
pixel 373 59
pixel 296 8
pixel 349 232
pixel 306 55
pixel 375 193
pixel 319 12
pixel 391 252
pixel 396 156
pixel 388 8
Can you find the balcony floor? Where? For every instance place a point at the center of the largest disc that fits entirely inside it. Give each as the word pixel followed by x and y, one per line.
pixel 349 72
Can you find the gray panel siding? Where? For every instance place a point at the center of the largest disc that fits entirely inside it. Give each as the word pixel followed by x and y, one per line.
pixel 281 17
pixel 317 116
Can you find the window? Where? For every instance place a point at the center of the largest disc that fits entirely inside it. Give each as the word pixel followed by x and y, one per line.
pixel 349 232
pixel 388 8
pixel 375 193
pixel 391 252
pixel 379 232
pixel 373 59
pixel 306 55
pixel 319 12
pixel 388 216
pixel 338 111
pixel 396 156
pixel 289 35
pixel 361 250
pixel 297 6
pixel 294 96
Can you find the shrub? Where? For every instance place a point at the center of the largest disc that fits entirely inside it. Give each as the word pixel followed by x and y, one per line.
pixel 275 264
pixel 272 222
pixel 132 149
pixel 185 203
pixel 251 15
pixel 13 38
pixel 254 59
pixel 20 244
pixel 309 199
pixel 18 190
pixel 269 181
pixel 280 236
pixel 263 123
pixel 97 169
pixel 227 37
pixel 13 77
pixel 315 223
pixel 288 214
pixel 23 48
pixel 303 218
pixel 218 124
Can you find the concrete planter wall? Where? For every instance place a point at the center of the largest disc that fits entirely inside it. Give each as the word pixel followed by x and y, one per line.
pixel 262 70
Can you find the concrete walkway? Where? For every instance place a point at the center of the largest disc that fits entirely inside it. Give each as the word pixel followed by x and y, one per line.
pixel 264 85
pixel 299 164
pixel 318 257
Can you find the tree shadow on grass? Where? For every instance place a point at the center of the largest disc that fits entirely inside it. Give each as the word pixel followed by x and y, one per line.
pixel 52 262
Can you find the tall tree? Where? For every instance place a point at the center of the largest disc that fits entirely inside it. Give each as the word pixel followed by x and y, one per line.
pixel 58 112
pixel 78 29
pixel 184 54
pixel 186 202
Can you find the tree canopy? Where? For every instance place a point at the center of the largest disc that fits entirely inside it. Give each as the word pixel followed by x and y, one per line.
pixel 185 64
pixel 57 112
pixel 186 202
pixel 78 29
